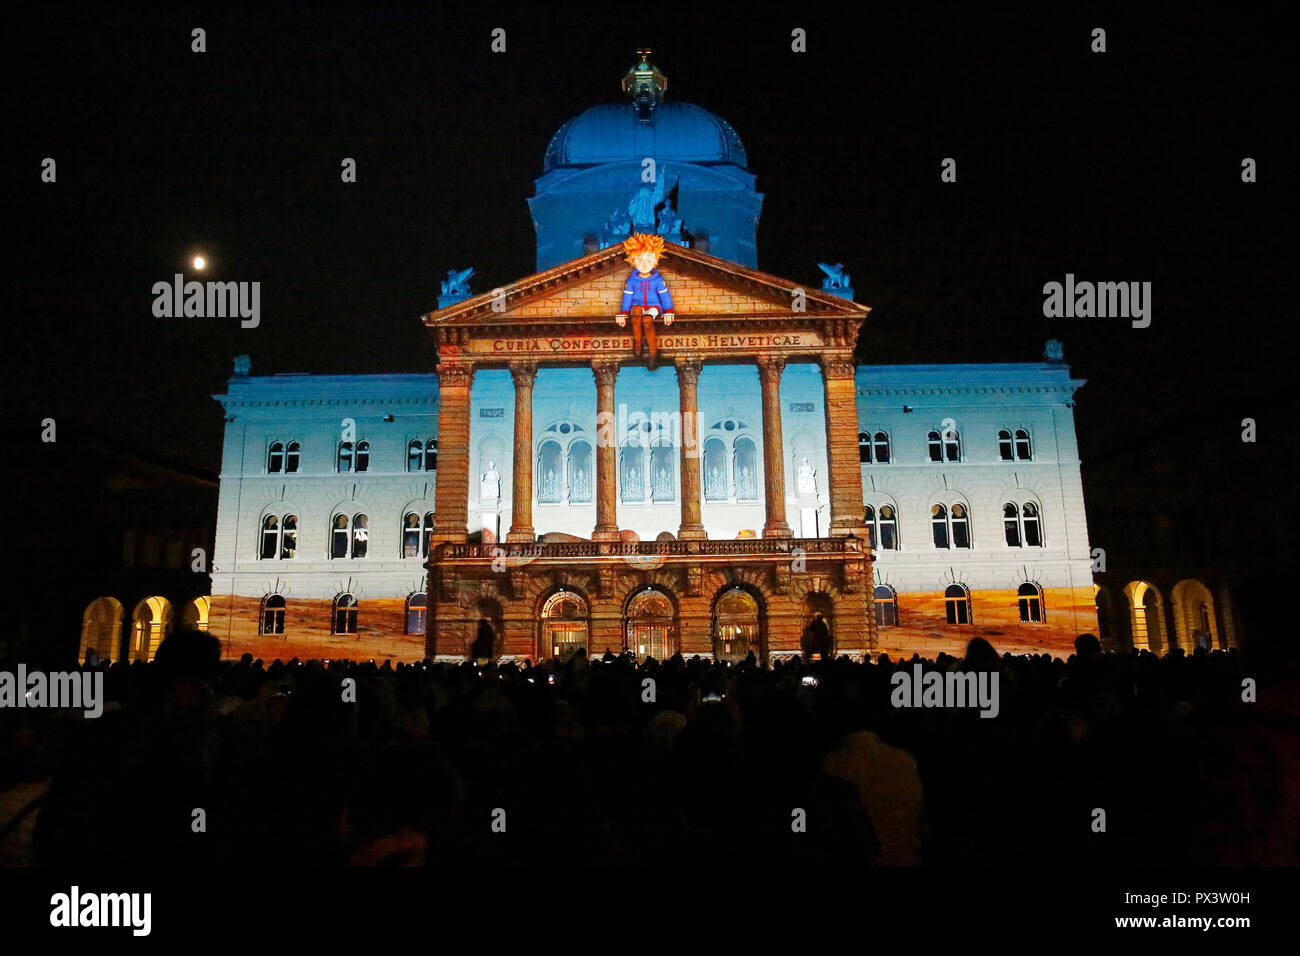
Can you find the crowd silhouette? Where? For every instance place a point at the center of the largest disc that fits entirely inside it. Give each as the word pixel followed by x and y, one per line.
pixel 199 761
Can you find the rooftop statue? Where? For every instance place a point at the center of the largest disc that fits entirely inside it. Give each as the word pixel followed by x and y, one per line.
pixel 836 277
pixel 457 283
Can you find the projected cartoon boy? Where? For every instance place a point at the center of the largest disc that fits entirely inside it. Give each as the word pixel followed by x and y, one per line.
pixel 646 294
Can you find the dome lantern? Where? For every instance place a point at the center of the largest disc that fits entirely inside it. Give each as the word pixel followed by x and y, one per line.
pixel 646 85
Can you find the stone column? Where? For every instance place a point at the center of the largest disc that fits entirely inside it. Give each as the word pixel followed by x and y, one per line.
pixel 688 380
pixel 521 484
pixel 769 375
pixel 606 372
pixel 842 444
pixel 451 492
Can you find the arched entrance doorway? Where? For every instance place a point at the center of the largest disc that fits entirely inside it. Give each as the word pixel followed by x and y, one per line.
pixel 736 627
pixel 1146 617
pixel 151 621
pixel 818 641
pixel 195 615
pixel 101 629
pixel 1194 618
pixel 649 627
pixel 563 624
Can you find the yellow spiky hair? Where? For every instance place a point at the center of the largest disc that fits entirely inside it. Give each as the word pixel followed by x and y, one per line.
pixel 641 242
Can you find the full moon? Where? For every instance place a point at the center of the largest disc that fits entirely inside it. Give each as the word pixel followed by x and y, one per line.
pixel 200 262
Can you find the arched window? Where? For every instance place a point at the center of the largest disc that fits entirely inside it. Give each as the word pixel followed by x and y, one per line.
pixel 632 471
pixel 956 604
pixel 881 442
pixel 363 456
pixel 279 537
pixel 745 469
pixel 945 446
pixel 345 615
pixel 275 459
pixel 951 445
pixel 360 535
pixel 1011 524
pixel 272 618
pixel 1021 525
pixel 411 535
pixel 884 527
pixel 663 484
pixel 340 533
pixel 1015 446
pixel 289 538
pixel 886 606
pixel 960 526
pixel 864 447
pixel 1031 603
pixel 951 526
pixel 270 536
pixel 416 606
pixel 1023 450
pixel 428 534
pixel 292 456
pixel 939 525
pixel 431 455
pixel 714 464
pixel 550 473
pixel 580 472
pixel 1033 533
pixel 345 457
pixel 415 455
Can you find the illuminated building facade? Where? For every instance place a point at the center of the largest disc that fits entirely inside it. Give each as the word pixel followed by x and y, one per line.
pixel 546 480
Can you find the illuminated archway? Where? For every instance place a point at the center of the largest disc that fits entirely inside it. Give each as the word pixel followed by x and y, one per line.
pixel 817 645
pixel 1146 617
pixel 563 625
pixel 101 629
pixel 650 625
pixel 151 622
pixel 1194 618
pixel 195 615
pixel 737 625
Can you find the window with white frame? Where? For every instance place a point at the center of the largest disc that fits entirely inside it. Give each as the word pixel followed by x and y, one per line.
pixel 883 522
pixel 1030 599
pixel 950 525
pixel 279 537
pixel 1021 525
pixel 956 604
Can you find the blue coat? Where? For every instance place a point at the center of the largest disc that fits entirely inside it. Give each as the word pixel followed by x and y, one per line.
pixel 646 291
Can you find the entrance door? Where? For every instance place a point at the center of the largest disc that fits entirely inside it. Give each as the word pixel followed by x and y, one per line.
pixel 649 625
pixel 735 628
pixel 564 625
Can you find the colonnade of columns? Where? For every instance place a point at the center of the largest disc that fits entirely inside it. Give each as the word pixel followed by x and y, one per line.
pixel 452 494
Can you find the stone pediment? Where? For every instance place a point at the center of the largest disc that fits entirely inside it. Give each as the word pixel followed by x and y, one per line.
pixel 704 289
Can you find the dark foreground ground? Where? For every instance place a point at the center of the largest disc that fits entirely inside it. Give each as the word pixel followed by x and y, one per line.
pixel 442 763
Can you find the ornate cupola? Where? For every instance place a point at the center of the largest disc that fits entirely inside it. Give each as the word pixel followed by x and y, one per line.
pixel 646 85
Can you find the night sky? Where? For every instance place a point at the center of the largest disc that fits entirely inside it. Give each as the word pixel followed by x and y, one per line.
pixel 1123 166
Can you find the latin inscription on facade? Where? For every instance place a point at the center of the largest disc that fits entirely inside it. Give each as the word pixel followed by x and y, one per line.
pixel 581 344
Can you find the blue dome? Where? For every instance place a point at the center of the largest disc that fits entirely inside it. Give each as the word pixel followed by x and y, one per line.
pixel 676 131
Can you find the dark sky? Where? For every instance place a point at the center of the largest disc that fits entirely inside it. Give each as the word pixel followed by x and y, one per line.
pixel 1118 166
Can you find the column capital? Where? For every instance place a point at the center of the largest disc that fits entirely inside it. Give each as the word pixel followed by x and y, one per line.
pixel 837 364
pixel 688 369
pixel 770 366
pixel 606 371
pixel 455 375
pixel 524 373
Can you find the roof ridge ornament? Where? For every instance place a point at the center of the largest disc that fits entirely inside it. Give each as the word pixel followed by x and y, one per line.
pixel 646 85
